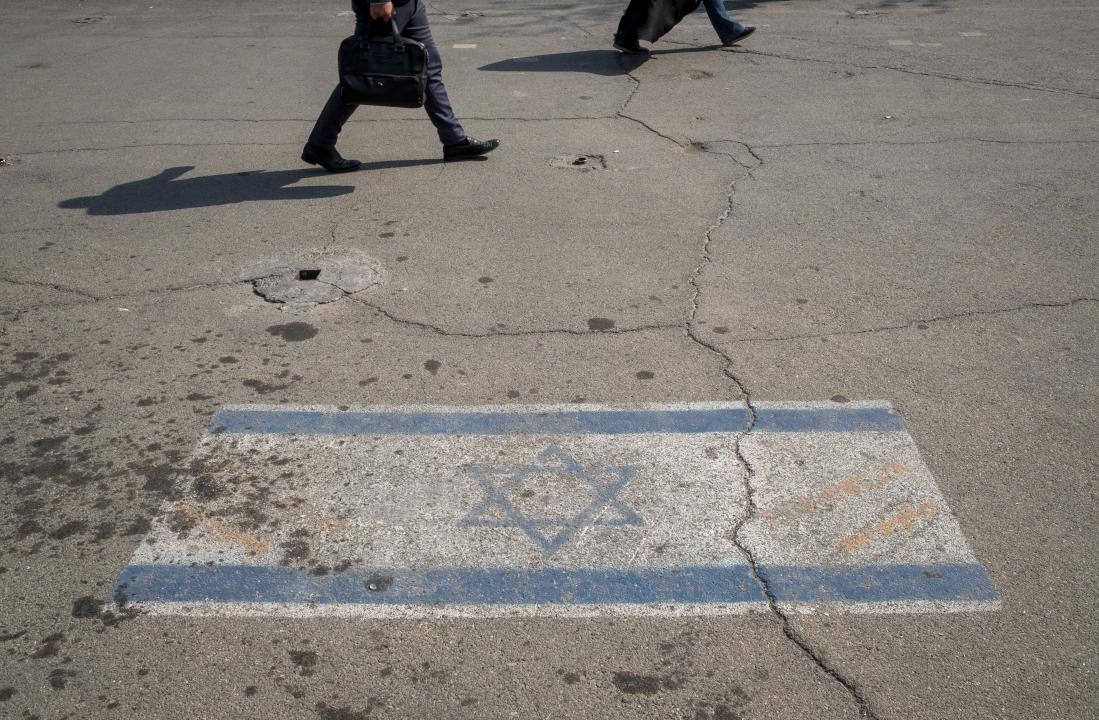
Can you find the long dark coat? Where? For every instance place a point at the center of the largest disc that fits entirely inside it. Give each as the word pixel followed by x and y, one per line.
pixel 649 20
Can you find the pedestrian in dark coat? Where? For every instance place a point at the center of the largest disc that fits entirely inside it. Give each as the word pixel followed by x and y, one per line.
pixel 650 20
pixel 411 19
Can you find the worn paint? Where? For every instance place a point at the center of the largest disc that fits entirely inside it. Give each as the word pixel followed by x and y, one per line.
pixel 220 531
pixel 901 521
pixel 577 510
pixel 833 494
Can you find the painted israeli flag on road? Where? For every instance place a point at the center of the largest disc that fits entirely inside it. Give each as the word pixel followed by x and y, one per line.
pixel 556 510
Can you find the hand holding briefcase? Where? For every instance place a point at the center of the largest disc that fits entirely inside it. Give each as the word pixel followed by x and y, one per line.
pixel 386 71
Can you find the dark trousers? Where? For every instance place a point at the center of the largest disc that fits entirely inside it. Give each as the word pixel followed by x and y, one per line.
pixel 635 16
pixel 411 19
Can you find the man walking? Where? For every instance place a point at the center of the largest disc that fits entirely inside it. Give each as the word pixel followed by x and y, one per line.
pixel 411 19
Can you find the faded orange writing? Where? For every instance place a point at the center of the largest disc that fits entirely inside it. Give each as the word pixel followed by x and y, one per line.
pixel 901 521
pixel 222 532
pixel 833 494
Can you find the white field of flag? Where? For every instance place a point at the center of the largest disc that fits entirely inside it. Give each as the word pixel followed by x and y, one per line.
pixel 556 510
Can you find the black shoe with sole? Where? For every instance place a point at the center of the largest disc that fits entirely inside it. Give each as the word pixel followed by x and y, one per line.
pixel 329 159
pixel 748 30
pixel 630 46
pixel 469 148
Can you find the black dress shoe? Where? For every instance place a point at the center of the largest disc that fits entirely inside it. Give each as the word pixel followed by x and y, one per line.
pixel 469 148
pixel 748 30
pixel 328 159
pixel 630 46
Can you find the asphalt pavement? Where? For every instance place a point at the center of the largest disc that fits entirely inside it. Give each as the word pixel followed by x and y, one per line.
pixel 822 307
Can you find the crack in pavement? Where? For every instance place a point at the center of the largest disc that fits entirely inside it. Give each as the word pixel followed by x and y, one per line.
pixel 578 26
pixel 635 82
pixel 651 129
pixel 822 663
pixel 894 68
pixel 1038 304
pixel 909 71
pixel 700 145
pixel 750 508
pixel 176 289
pixel 941 141
pixel 337 221
pixel 50 286
pixel 629 98
pixel 688 327
pixel 704 146
pixel 695 299
pixel 788 630
pixel 91 299
pixel 439 330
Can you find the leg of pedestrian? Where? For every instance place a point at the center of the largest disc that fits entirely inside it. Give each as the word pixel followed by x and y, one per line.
pixel 625 38
pixel 729 30
pixel 321 147
pixel 457 145
pixel 649 20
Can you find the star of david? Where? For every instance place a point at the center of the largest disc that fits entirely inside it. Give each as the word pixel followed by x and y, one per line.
pixel 551 533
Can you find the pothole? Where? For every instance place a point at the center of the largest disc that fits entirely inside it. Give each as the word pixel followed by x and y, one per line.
pixel 303 279
pixel 580 162
pixel 696 74
pixel 7 161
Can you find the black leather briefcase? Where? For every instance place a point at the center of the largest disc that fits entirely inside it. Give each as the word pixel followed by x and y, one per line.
pixel 388 71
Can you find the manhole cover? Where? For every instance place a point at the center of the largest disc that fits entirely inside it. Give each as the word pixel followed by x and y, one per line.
pixel 306 278
pixel 580 162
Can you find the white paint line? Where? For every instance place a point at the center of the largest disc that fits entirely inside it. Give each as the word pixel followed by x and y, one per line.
pixel 907 607
pixel 397 612
pixel 566 407
pixel 900 42
pixel 973 34
pixel 400 612
pixel 465 46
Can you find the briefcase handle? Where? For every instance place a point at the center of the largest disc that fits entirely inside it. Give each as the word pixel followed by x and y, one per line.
pixel 398 41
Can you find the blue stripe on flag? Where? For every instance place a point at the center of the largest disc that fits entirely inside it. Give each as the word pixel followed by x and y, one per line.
pixel 602 422
pixel 481 586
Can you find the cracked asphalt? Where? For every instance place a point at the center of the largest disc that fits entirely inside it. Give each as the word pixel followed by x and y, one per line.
pixel 879 200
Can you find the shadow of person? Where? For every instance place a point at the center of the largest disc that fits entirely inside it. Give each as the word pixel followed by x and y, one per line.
pixel 608 63
pixel 165 191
